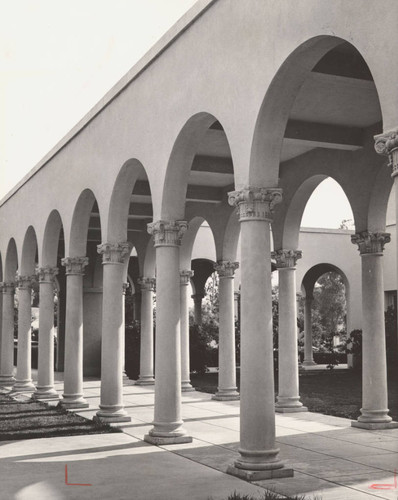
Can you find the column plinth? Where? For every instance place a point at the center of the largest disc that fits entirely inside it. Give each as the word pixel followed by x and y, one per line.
pixel 7 379
pixel 288 380
pixel 45 384
pixel 146 346
pixel 374 411
pixel 185 277
pixel 259 456
pixel 24 381
pixel 227 390
pixel 168 425
pixel 112 344
pixel 73 373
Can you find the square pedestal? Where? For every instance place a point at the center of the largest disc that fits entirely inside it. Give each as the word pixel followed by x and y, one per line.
pixel 112 419
pixel 73 406
pixel 374 426
pixel 159 441
pixel 290 410
pixel 259 475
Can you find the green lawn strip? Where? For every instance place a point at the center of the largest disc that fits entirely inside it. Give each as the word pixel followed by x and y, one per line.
pixel 36 419
pixel 331 392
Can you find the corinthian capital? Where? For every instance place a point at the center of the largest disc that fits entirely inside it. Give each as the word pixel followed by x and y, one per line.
pixel 185 276
pixel 147 284
pixel 114 253
pixel 167 233
pixel 24 282
pixel 255 203
pixel 286 258
pixel 226 268
pixel 46 274
pixel 74 265
pixel 387 144
pixel 370 243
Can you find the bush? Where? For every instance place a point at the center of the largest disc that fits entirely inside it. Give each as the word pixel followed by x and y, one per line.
pixel 132 349
pixel 202 354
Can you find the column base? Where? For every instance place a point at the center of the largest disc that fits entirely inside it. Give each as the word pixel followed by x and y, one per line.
pixel 226 395
pixel 6 381
pixel 290 409
pixel 73 402
pixel 258 475
pixel 24 386
pixel 111 414
pixel 186 386
pixel 159 441
pixel 308 363
pixel 160 435
pixel 145 380
pixel 287 404
pixel 45 392
pixel 374 425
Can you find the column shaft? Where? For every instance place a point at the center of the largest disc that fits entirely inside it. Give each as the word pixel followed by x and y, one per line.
pixel 7 338
pixel 308 354
pixel 197 309
pixel 288 394
pixel 185 276
pixel 73 376
pixel 168 425
pixel 45 384
pixel 227 389
pixel 24 365
pixel 112 347
pixel 146 347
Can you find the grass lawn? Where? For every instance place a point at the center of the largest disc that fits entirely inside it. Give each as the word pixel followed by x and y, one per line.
pixel 336 393
pixel 34 419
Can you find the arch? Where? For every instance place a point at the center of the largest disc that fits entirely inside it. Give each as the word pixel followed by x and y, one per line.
pixel 231 238
pixel 314 273
pixel 52 232
pixel 277 104
pixel 80 224
pixel 179 166
pixel 29 253
pixel 11 262
pixel 188 241
pixel 119 206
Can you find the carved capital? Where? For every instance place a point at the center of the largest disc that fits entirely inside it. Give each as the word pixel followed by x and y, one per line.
pixel 46 274
pixel 167 233
pixel 255 203
pixel 147 284
pixel 387 144
pixel 185 276
pixel 7 287
pixel 226 268
pixel 286 258
pixel 74 265
pixel 24 282
pixel 125 287
pixel 114 253
pixel 370 243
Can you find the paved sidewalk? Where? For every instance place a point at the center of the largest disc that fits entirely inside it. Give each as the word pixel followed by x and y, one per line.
pixel 330 459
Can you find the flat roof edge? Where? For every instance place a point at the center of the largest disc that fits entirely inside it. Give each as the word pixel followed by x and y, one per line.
pixel 172 34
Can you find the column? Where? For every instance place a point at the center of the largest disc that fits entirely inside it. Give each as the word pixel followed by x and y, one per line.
pixel 45 383
pixel 308 354
pixel 146 345
pixel 168 425
pixel 236 305
pixel 185 278
pixel 288 379
pixel 227 390
pixel 7 337
pixel 24 355
pixel 387 144
pixel 197 308
pixel 374 411
pixel 73 371
pixel 112 342
pixel 259 456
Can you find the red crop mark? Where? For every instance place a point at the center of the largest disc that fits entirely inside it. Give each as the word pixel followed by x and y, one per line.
pixel 73 484
pixel 385 486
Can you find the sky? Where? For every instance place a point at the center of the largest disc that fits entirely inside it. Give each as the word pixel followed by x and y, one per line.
pixel 57 60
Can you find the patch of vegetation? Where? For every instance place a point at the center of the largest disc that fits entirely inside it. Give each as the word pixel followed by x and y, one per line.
pixel 267 495
pixel 35 419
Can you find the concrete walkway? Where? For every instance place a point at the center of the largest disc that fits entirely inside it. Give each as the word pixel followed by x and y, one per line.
pixel 330 459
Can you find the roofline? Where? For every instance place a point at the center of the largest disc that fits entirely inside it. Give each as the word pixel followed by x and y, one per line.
pixel 172 34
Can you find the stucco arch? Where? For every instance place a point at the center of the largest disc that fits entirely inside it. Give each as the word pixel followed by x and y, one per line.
pixel 115 228
pixel 49 250
pixel 189 239
pixel 80 224
pixel 379 199
pixel 179 165
pixel 277 104
pixel 313 275
pixel 11 261
pixel 29 253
